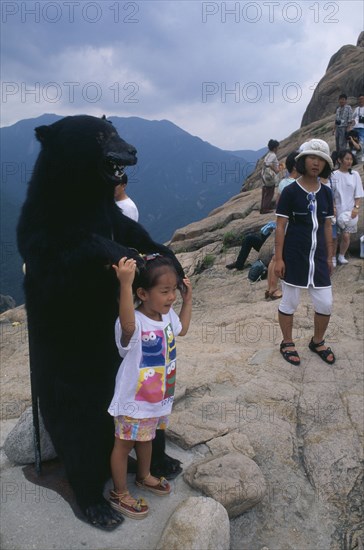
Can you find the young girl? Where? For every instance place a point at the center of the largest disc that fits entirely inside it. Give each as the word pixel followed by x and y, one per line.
pixel 347 189
pixel 144 389
pixel 304 248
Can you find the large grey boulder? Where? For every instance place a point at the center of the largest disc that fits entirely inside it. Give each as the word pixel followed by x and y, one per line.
pixel 198 523
pixel 19 445
pixel 233 479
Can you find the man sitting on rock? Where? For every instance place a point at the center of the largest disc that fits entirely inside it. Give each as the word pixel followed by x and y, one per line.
pixel 252 240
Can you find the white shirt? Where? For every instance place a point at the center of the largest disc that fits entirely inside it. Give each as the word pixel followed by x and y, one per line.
pixel 271 158
pixel 129 208
pixel 283 183
pixel 346 188
pixel 358 111
pixel 145 381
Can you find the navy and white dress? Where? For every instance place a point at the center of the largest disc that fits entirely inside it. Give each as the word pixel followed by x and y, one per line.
pixel 304 250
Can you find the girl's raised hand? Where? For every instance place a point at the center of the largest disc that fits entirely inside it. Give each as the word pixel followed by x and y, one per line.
pixel 125 270
pixel 186 291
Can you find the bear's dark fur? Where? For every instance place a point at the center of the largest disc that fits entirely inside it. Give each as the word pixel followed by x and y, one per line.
pixel 69 233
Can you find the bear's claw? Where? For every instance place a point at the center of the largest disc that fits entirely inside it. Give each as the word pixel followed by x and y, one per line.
pixel 102 516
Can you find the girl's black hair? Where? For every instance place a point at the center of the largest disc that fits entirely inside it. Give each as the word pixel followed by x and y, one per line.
pixel 301 168
pixel 273 144
pixel 291 161
pixel 342 153
pixel 154 266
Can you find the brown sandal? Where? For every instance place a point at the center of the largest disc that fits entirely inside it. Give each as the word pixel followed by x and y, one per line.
pixel 128 505
pixel 161 488
pixel 274 296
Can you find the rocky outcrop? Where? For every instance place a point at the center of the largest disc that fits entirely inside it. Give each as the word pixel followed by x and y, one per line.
pixel 14 352
pixel 221 233
pixel 6 302
pixel 344 74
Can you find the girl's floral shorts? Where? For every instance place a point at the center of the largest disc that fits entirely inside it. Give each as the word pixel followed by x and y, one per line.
pixel 138 429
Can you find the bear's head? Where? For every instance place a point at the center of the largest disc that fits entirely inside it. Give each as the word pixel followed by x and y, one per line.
pixel 82 157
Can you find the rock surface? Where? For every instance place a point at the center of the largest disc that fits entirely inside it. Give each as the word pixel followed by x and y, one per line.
pixel 302 426
pixel 346 65
pixel 19 445
pixel 231 478
pixel 344 74
pixel 6 302
pixel 197 523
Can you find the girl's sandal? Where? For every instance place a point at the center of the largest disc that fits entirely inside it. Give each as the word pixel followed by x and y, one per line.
pixel 161 488
pixel 288 354
pixel 129 506
pixel 324 353
pixel 275 294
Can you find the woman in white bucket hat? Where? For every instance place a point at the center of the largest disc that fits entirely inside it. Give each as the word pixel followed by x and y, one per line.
pixel 304 248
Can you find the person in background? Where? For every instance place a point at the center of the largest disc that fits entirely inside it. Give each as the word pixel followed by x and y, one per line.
pixel 270 161
pixel 303 248
pixel 327 181
pixel 358 117
pixel 343 122
pixel 347 190
pixel 124 202
pixel 353 143
pixel 252 240
pixel 292 173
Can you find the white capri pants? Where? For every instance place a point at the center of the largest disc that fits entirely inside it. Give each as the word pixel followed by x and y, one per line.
pixel 321 299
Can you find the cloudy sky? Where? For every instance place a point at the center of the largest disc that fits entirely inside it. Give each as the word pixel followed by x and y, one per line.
pixel 233 73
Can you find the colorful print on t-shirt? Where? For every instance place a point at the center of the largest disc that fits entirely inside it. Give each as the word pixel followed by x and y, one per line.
pixel 157 371
pixel 150 385
pixel 170 379
pixel 153 349
pixel 171 344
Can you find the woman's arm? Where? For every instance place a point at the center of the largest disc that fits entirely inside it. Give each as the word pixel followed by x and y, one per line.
pixel 279 268
pixel 329 243
pixel 355 210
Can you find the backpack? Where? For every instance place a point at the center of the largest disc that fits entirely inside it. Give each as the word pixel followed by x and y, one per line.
pixel 257 271
pixel 270 178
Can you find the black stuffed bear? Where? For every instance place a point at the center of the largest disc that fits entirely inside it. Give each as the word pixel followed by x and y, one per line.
pixel 69 233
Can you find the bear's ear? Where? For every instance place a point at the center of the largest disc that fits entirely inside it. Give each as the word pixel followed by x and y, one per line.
pixel 42 133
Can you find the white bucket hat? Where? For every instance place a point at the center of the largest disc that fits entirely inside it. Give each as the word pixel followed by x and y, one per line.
pixel 317 147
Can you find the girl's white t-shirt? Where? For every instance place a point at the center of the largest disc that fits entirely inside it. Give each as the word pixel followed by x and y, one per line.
pixel 146 378
pixel 346 188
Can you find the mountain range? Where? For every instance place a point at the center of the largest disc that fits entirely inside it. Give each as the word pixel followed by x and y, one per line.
pixel 179 179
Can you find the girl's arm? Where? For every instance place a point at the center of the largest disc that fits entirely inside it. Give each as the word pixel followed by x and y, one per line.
pixel 329 243
pixel 279 268
pixel 125 272
pixel 355 210
pixel 186 309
